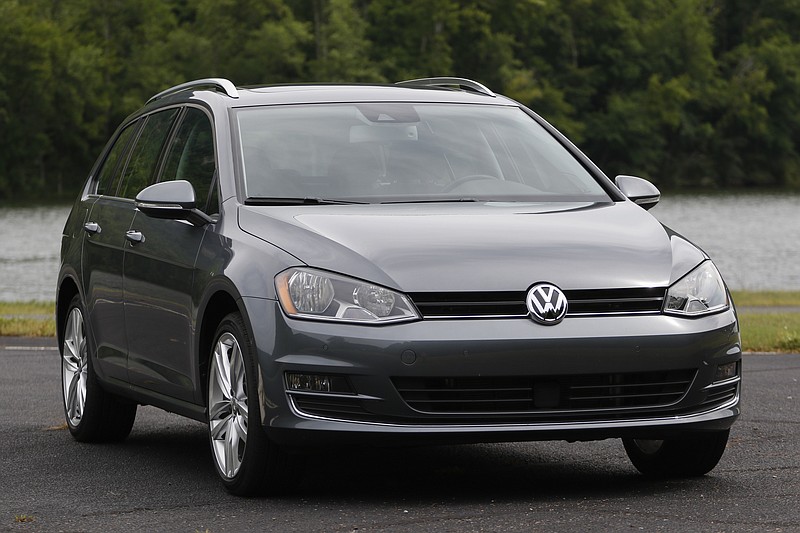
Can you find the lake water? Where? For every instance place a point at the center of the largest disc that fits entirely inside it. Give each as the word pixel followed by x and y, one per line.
pixel 30 243
pixel 754 240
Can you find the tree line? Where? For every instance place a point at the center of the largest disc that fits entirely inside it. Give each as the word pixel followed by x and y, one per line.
pixel 688 93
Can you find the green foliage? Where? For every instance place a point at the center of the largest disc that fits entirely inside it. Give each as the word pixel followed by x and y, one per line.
pixel 250 41
pixel 342 49
pixel 26 74
pixel 411 38
pixel 688 93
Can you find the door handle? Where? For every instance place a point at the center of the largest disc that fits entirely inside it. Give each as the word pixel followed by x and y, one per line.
pixel 92 228
pixel 134 236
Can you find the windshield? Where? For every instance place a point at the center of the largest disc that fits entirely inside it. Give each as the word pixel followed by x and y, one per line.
pixel 400 152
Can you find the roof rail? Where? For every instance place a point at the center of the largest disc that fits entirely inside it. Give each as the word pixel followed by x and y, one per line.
pixel 220 83
pixel 461 83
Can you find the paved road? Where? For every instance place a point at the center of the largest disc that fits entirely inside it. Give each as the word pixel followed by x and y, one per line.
pixel 161 478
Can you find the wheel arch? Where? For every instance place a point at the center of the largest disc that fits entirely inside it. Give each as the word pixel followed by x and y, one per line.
pixel 67 289
pixel 220 302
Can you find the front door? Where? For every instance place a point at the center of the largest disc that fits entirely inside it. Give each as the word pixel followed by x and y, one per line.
pixel 158 304
pixel 159 272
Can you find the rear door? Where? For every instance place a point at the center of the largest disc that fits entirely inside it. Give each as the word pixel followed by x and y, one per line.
pixel 109 236
pixel 102 258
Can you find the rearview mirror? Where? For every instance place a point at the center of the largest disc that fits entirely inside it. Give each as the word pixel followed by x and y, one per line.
pixel 638 190
pixel 172 200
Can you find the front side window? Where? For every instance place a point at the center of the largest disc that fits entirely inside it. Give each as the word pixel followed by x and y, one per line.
pixel 108 177
pixel 190 157
pixel 141 167
pixel 386 152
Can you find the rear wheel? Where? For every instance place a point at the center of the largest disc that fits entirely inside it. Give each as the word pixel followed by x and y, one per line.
pixel 689 457
pixel 92 414
pixel 246 460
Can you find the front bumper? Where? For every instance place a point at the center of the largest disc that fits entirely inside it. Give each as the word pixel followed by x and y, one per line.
pixel 488 380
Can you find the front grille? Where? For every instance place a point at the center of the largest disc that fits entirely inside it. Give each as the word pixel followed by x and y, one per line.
pixel 614 301
pixel 590 302
pixel 512 394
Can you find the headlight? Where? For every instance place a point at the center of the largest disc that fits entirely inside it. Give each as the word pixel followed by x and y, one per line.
pixel 320 295
pixel 700 292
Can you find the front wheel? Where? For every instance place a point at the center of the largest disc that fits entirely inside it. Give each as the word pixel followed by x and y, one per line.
pixel 246 460
pixel 93 415
pixel 690 457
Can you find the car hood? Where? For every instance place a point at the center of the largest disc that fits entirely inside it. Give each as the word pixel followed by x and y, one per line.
pixel 480 246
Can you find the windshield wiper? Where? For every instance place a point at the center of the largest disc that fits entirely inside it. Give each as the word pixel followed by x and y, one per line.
pixel 432 200
pixel 305 200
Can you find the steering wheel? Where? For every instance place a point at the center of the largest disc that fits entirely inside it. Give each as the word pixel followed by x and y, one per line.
pixel 464 179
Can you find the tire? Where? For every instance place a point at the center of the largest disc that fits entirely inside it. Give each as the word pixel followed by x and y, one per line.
pixel 690 457
pixel 247 462
pixel 92 414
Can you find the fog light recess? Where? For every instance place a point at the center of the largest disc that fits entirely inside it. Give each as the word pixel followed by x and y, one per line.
pixel 299 382
pixel 727 371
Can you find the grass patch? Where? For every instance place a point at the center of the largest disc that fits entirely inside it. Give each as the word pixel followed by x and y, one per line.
pixel 771 332
pixel 778 332
pixel 766 298
pixel 27 327
pixel 27 308
pixel 27 319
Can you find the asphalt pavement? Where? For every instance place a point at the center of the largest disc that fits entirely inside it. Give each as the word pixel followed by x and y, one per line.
pixel 161 478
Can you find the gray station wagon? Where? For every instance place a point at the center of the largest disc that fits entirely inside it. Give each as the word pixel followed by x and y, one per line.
pixel 427 262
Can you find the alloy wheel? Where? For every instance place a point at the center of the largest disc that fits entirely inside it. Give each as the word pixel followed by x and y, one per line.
pixel 74 360
pixel 227 405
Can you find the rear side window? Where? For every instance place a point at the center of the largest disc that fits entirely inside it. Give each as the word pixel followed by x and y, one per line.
pixel 144 157
pixel 190 156
pixel 108 177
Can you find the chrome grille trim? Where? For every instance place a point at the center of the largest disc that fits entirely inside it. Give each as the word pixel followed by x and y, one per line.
pixel 537 424
pixel 344 406
pixel 721 392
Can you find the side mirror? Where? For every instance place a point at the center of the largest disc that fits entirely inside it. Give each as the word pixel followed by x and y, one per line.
pixel 638 190
pixel 172 200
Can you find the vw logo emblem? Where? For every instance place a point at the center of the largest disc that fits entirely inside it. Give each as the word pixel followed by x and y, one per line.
pixel 547 304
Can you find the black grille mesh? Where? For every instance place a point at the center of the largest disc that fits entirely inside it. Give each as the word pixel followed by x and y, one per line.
pixel 512 394
pixel 512 304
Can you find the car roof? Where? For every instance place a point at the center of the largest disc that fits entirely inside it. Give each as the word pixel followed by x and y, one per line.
pixel 312 94
pixel 223 92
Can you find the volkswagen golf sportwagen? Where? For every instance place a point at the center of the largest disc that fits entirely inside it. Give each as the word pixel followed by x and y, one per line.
pixel 316 265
